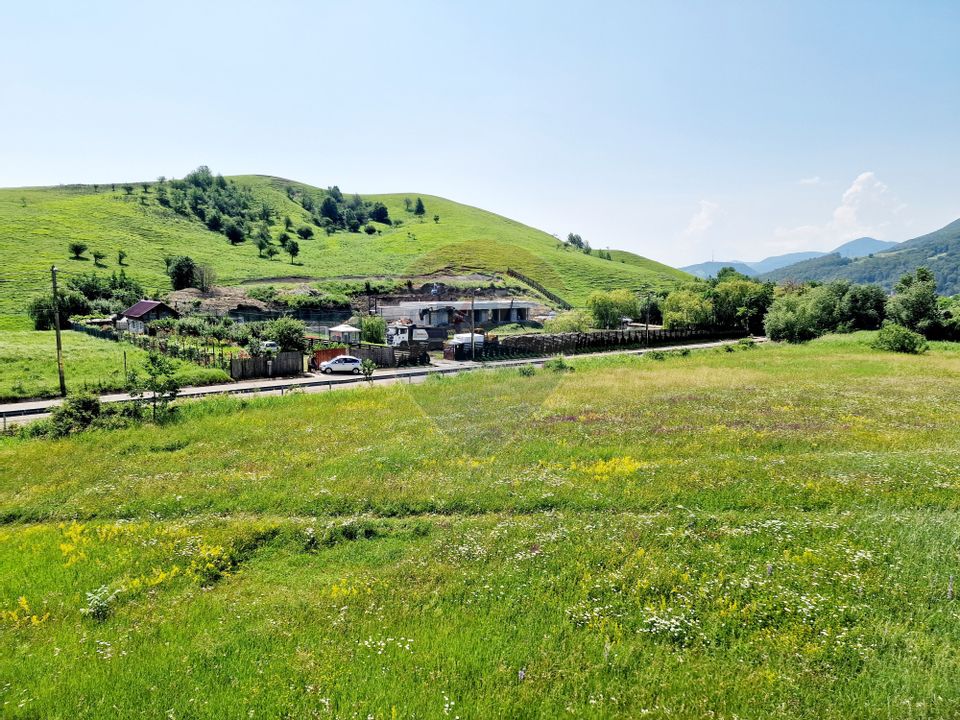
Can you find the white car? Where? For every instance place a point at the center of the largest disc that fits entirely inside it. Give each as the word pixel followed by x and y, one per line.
pixel 268 346
pixel 343 363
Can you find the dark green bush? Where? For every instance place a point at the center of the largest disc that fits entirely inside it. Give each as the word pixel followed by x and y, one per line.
pixel 558 365
pixel 897 338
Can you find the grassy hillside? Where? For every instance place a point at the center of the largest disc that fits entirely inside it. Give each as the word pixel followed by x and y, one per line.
pixel 36 225
pixel 762 533
pixel 939 251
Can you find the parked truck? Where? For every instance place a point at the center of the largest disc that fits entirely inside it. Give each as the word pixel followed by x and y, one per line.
pixel 405 336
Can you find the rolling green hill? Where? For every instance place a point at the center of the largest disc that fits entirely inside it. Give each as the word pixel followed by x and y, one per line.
pixel 939 251
pixel 37 224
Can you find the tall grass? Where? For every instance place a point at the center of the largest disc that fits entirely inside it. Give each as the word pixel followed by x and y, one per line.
pixel 769 532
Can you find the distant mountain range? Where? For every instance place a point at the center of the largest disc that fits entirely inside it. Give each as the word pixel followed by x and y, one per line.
pixel 939 251
pixel 861 247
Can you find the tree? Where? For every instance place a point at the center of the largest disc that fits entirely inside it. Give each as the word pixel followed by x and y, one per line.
pixel 603 309
pixel 77 249
pixel 305 232
pixel 331 210
pixel 181 271
pixel 160 382
pixel 740 302
pixel 625 303
pixel 283 239
pixel 370 229
pixel 121 256
pixel 262 244
pixel 214 221
pixel 69 302
pixel 863 307
pixel 569 321
pixel 789 319
pixel 379 213
pixel 419 210
pixel 287 223
pixel 234 231
pixel 128 189
pixel 407 204
pixel 686 309
pixel 290 335
pixel 272 252
pixel 575 240
pixel 204 277
pixel 915 305
pixel 98 257
pixel 374 330
pixel 436 218
pixel 609 308
pixel 293 249
pixel 368 367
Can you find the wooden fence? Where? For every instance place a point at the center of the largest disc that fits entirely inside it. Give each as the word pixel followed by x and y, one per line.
pixel 559 301
pixel 323 354
pixel 284 364
pixel 596 341
pixel 385 356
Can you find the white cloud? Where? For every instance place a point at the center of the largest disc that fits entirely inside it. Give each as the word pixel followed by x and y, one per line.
pixel 867 207
pixel 703 219
pixel 815 180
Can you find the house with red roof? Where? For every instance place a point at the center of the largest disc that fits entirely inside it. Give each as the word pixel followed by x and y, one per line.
pixel 134 319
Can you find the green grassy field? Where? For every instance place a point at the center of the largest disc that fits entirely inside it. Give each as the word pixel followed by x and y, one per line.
pixel 762 533
pixel 36 225
pixel 28 365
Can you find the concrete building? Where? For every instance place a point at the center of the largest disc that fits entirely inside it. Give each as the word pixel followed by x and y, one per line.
pixel 445 312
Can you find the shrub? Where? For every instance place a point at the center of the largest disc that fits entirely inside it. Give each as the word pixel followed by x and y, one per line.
pixel 370 229
pixel 69 303
pixel 527 371
pixel 305 232
pixel 234 231
pixel 897 338
pixel 558 365
pixel 77 249
pixel 657 355
pixel 570 321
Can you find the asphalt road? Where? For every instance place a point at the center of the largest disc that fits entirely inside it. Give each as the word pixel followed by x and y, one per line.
pixel 22 412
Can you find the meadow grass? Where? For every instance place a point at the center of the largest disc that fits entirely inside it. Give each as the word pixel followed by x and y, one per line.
pixel 37 224
pixel 28 365
pixel 756 533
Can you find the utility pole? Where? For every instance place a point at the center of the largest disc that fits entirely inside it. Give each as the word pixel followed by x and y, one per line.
pixel 473 336
pixel 646 331
pixel 56 327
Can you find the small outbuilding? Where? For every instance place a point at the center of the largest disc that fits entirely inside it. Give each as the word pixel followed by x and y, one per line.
pixel 134 319
pixel 346 334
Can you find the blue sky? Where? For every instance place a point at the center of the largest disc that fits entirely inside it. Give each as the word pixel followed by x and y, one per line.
pixel 678 130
